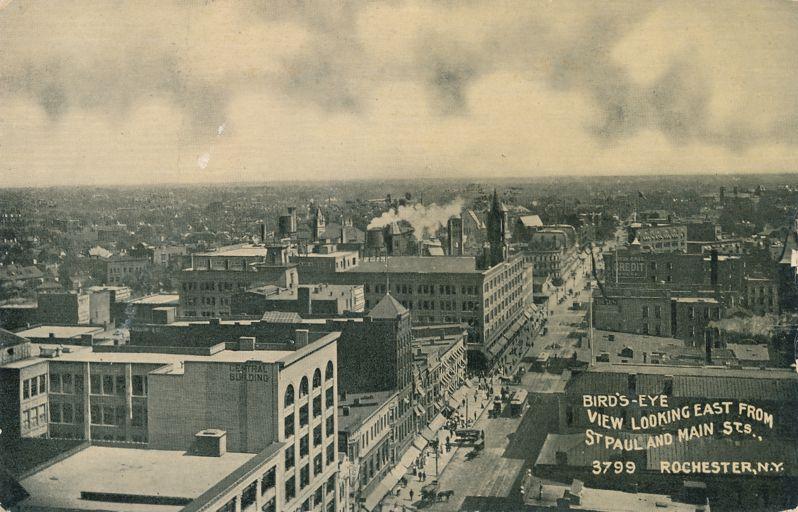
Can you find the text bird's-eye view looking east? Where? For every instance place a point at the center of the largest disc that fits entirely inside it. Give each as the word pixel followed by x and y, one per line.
pixel 398 255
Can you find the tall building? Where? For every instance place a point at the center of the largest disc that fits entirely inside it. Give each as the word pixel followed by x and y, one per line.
pixel 318 224
pixel 438 290
pixel 497 231
pixel 454 244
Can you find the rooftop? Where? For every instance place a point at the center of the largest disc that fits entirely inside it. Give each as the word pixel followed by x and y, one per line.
pixel 317 291
pixel 749 352
pixel 387 308
pixel 59 331
pixel 234 251
pixel 127 471
pixel 361 406
pixel 224 356
pixel 419 264
pixel 158 298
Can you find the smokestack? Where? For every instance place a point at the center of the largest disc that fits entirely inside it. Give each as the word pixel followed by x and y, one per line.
pixel 305 302
pixel 343 231
pixel 455 227
pixel 262 230
pixel 713 267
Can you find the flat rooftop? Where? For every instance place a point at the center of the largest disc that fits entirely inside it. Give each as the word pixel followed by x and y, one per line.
pixel 59 331
pixel 224 356
pixel 158 298
pixel 419 264
pixel 236 251
pixel 127 471
pixel 367 403
pixel 604 500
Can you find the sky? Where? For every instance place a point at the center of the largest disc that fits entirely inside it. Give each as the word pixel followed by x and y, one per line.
pixel 128 92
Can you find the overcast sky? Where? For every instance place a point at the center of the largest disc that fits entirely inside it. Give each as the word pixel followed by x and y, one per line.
pixel 117 92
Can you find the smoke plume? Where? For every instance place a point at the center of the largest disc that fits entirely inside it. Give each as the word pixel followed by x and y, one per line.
pixel 424 219
pixel 753 326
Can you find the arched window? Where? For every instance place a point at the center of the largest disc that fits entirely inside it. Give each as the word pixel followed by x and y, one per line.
pixel 289 396
pixel 328 373
pixel 316 378
pixel 303 387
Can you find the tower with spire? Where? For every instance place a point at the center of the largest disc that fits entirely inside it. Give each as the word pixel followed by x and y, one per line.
pixel 318 224
pixel 497 230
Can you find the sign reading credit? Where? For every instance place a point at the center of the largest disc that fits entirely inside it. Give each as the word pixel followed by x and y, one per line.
pixel 631 268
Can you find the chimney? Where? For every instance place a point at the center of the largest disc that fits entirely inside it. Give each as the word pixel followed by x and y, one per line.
pixel 713 267
pixel 343 232
pixel 305 302
pixel 301 337
pixel 262 229
pixel 210 443
pixel 246 343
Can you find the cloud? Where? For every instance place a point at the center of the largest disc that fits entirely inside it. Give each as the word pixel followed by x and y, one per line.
pixel 398 87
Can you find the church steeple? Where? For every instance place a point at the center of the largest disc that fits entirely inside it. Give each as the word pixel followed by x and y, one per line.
pixel 497 230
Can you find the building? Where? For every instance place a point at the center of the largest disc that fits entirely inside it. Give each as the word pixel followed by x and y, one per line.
pixel 206 289
pixel 553 252
pixel 273 402
pixel 70 308
pixel 446 290
pixel 152 308
pixel 17 316
pixel 307 300
pixel 24 387
pixel 658 312
pixel 439 364
pixel 365 435
pixel 85 335
pixel 326 258
pixel 658 237
pixel 125 269
pixel 761 295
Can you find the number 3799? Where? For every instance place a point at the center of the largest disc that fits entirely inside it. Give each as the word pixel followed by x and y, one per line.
pixel 617 467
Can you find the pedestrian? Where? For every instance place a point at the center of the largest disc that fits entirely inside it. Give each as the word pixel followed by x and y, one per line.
pixel 411 495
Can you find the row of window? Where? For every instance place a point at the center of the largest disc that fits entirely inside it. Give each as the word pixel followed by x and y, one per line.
pixel 289 422
pixel 424 289
pixel 304 472
pixel 34 417
pixel 115 385
pixel 329 373
pixel 34 386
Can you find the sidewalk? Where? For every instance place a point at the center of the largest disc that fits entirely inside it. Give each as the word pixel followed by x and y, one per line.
pixel 402 501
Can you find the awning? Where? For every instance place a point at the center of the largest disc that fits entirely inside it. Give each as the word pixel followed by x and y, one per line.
pixel 382 489
pixel 420 442
pixel 428 433
pixel 407 459
pixel 454 403
pixel 438 422
pixel 419 410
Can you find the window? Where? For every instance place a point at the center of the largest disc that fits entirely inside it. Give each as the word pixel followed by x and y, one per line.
pixel 55 412
pixel 328 373
pixel 269 506
pixel 317 466
pixel 303 387
pixel 316 378
pixel 289 425
pixel 330 453
pixel 66 383
pixel 318 496
pixel 290 489
pixel 330 487
pixel 108 385
pixel 289 396
pixel 330 425
pixel 249 495
pixel 139 417
pixel 303 446
pixel 34 386
pixel 78 384
pixel 645 311
pixel 55 383
pixel 96 385
pixel 317 435
pixel 108 415
pixel 68 417
pixel 303 416
pixel 26 389
pixel 317 407
pixel 139 385
pixel 304 476
pixel 289 457
pixel 120 384
pixel 268 480
pixel 96 417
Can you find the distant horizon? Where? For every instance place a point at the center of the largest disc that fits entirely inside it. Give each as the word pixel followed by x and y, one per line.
pixel 473 179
